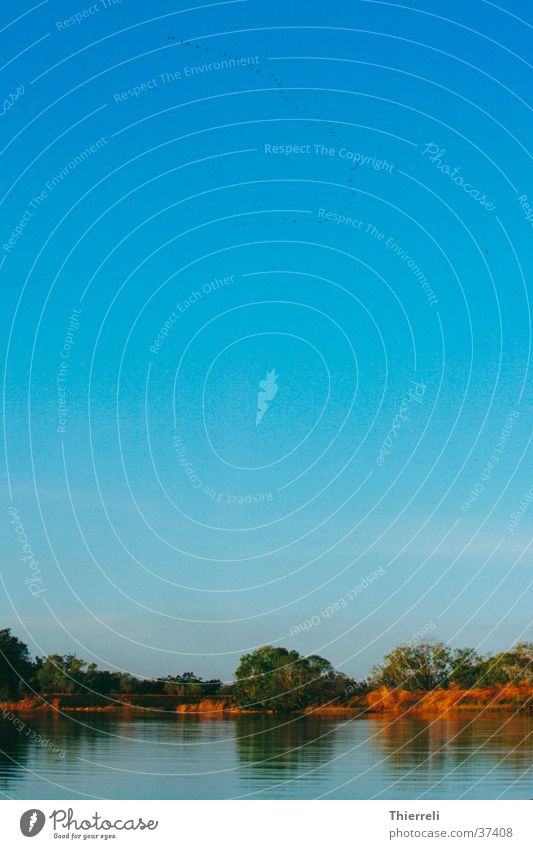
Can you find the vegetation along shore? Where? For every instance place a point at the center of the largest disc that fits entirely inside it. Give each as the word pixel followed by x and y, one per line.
pixel 423 678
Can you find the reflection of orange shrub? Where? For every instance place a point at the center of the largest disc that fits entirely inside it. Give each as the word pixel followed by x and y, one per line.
pixel 510 696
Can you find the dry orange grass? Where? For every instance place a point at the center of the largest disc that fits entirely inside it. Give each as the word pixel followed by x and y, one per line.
pixel 204 706
pixel 508 696
pixel 435 702
pixel 30 703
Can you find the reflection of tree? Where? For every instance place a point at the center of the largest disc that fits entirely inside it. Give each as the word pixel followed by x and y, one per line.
pixel 13 753
pixel 444 743
pixel 283 744
pixel 48 740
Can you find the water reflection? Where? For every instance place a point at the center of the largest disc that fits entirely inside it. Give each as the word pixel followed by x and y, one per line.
pixel 179 757
pixel 449 741
pixel 456 755
pixel 13 754
pixel 282 744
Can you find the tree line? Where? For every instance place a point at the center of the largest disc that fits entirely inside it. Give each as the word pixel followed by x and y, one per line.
pixel 67 673
pixel 271 678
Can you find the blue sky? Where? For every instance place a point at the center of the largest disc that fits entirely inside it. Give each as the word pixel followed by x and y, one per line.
pixel 333 193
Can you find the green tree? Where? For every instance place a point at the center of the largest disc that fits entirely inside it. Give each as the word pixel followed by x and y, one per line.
pixel 524 654
pixel 468 669
pixel 415 666
pixel 127 683
pixel 281 680
pixel 61 674
pixel 101 681
pixel 188 684
pixel 325 684
pixel 16 668
pixel 511 667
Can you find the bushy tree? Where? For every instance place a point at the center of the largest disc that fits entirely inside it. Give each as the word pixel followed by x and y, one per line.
pixel 61 674
pixel 101 681
pixel 415 666
pixel 189 684
pixel 468 669
pixel 510 667
pixel 281 680
pixel 16 667
pixel 127 683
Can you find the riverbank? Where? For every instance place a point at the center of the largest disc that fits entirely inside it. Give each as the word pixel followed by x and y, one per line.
pixel 383 701
pixel 507 697
pixel 145 703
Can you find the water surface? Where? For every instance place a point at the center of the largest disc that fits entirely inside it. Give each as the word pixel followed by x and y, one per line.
pixel 265 757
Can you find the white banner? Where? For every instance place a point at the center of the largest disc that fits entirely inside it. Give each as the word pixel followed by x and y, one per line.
pixel 268 824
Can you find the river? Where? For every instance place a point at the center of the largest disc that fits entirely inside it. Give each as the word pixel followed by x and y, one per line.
pixel 90 755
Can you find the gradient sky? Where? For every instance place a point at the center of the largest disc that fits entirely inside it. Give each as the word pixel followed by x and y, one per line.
pixel 171 531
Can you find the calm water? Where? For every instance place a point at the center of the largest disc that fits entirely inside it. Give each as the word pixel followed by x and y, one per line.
pixel 267 757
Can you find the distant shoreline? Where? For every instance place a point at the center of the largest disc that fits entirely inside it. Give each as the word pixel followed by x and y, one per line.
pixel 382 701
